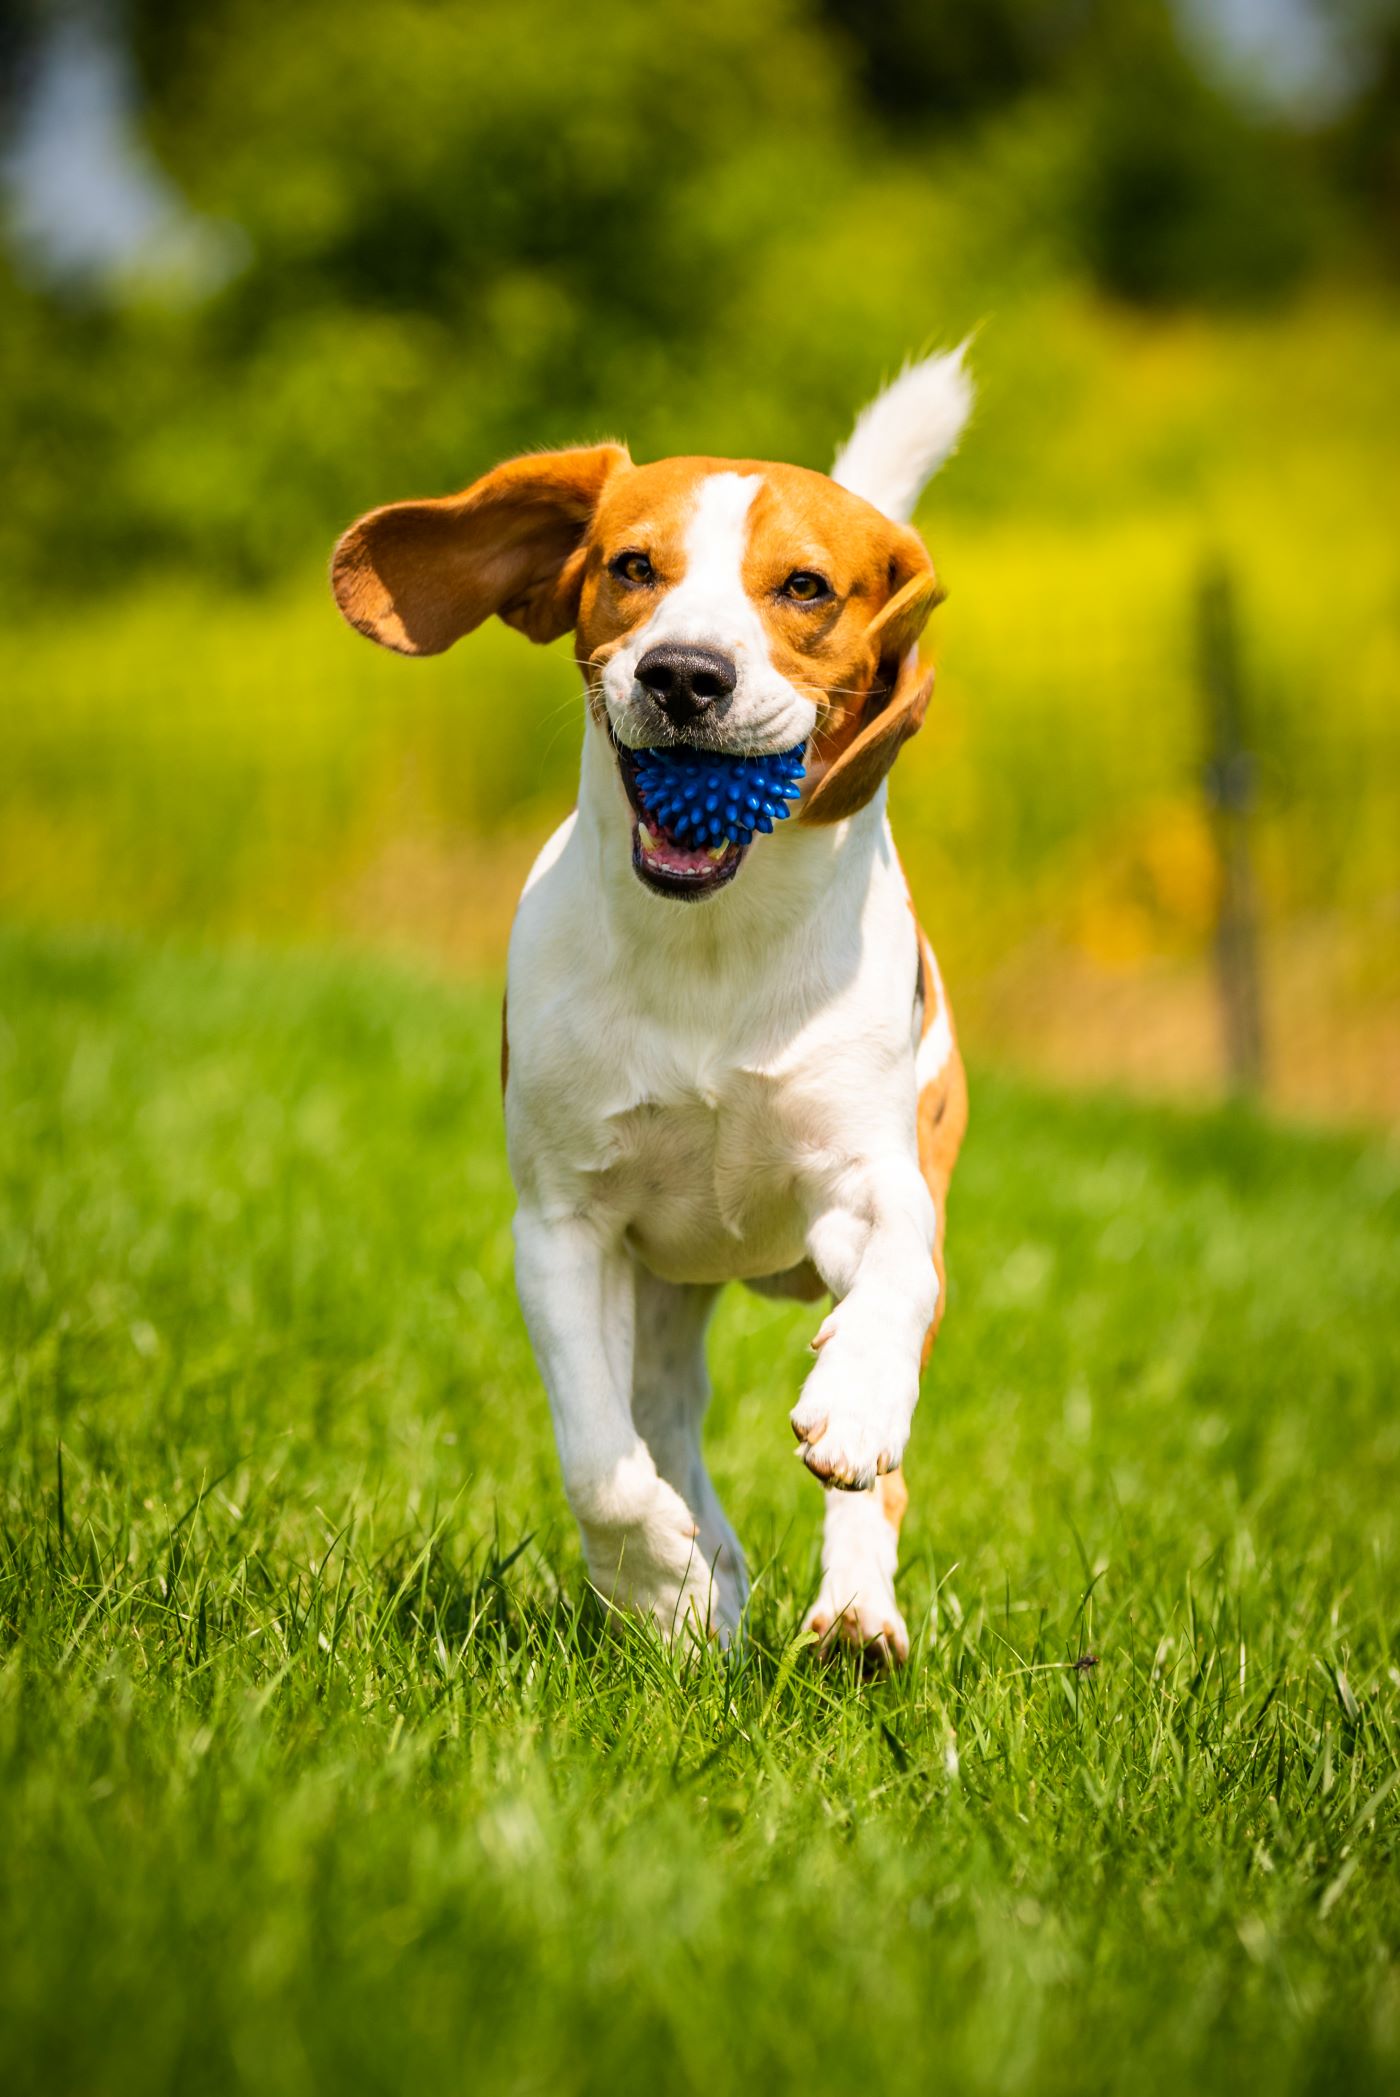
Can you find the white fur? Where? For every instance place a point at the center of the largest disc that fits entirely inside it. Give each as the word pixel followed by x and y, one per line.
pixel 903 437
pixel 710 608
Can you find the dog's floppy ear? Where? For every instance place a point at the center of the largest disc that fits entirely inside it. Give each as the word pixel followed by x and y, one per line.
pixel 899 694
pixel 855 776
pixel 416 576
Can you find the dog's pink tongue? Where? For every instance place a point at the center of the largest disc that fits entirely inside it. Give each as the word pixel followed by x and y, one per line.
pixel 668 857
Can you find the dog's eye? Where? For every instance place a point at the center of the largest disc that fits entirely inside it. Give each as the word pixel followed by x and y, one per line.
pixel 805 586
pixel 634 569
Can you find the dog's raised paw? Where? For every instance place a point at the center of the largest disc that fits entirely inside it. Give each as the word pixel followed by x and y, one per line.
pixel 837 1463
pixel 853 1417
pixel 845 1445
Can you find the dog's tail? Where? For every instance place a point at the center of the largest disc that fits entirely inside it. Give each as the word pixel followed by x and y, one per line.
pixel 900 441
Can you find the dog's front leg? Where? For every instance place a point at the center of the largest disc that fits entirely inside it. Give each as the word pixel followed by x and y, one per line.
pixel 871 1240
pixel 578 1293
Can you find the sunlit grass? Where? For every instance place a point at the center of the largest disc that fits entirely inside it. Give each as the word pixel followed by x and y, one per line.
pixel 316 1766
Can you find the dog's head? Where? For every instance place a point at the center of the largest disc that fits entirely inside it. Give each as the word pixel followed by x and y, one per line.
pixel 731 606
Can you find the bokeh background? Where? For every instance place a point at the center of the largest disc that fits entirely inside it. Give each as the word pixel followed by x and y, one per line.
pixel 265 265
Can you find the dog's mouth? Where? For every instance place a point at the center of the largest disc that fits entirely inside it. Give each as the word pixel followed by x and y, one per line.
pixel 695 812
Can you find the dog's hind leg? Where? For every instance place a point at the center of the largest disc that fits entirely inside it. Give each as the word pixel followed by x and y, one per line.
pixel 860 1548
pixel 670 1394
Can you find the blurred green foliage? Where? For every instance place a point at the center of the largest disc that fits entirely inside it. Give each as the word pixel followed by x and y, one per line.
pixel 464 230
pixel 711 224
pixel 205 760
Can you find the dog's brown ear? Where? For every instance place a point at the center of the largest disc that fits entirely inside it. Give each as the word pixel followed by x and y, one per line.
pixel 899 694
pixel 416 576
pixel 854 776
pixel 894 631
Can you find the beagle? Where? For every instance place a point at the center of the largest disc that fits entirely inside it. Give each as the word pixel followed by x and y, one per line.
pixel 730 1055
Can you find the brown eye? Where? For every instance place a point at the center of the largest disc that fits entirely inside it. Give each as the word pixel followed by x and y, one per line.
pixel 805 586
pixel 634 569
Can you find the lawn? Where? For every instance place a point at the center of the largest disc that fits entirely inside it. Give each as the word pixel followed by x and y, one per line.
pixel 318 1771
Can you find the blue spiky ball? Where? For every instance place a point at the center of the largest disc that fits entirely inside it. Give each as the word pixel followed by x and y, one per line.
pixel 704 796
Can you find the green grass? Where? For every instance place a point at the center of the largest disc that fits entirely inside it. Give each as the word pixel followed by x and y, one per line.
pixel 318 1772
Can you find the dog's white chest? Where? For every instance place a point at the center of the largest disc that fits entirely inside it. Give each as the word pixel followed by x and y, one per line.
pixel 699 1107
pixel 705 1188
pixel 690 1157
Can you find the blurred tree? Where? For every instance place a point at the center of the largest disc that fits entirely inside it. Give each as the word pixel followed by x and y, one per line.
pixel 469 229
pixel 22 25
pixel 938 59
pixel 709 224
pixel 1367 148
pixel 1184 195
pixel 559 187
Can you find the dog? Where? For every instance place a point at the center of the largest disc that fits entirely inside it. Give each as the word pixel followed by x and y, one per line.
pixel 723 1059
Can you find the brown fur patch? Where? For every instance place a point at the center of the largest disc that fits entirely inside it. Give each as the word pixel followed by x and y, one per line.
pixel 942 1124
pixel 893 1495
pixel 416 576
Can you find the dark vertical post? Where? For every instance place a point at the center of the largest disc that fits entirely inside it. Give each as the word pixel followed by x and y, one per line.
pixel 1229 783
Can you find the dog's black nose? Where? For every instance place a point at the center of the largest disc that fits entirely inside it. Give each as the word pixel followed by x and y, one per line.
pixel 686 682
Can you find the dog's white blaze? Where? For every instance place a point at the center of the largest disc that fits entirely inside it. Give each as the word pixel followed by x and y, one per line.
pixel 710 605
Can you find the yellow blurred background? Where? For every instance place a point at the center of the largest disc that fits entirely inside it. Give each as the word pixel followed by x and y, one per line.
pixel 265 267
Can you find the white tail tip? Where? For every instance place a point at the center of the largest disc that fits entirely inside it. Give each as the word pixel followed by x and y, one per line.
pixel 902 438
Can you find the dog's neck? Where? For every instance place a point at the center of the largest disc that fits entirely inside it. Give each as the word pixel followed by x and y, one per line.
pixel 804 884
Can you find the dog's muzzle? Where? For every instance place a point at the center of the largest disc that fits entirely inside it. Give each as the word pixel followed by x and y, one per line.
pixel 697 811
